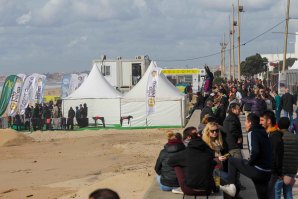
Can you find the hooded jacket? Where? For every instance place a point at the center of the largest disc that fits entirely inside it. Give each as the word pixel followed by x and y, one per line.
pixel 167 173
pixel 198 164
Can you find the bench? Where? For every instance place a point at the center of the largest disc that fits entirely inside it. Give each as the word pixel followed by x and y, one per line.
pixel 125 118
pixel 102 119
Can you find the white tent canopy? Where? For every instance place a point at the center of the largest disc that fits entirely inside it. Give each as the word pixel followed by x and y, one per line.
pixel 170 104
pixel 101 98
pixel 295 66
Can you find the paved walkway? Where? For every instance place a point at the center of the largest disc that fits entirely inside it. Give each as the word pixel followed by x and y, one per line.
pixel 155 193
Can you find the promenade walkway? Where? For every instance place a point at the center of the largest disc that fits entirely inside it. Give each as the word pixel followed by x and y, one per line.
pixel 155 193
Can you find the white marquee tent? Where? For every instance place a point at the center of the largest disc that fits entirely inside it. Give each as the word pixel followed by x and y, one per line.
pixel 295 66
pixel 170 104
pixel 101 98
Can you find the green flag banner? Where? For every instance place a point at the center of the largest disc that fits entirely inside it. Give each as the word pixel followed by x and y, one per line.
pixel 6 92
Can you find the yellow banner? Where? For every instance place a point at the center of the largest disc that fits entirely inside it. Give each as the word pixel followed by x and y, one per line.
pixel 180 71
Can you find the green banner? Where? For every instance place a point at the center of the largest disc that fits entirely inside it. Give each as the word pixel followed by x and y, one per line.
pixel 9 83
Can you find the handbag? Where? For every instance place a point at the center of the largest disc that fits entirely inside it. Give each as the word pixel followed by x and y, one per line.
pixel 288 180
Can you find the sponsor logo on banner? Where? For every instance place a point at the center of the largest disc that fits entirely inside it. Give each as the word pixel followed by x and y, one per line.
pixel 27 93
pixel 151 88
pixel 81 78
pixel 15 98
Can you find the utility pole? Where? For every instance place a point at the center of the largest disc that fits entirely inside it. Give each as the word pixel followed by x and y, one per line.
pixel 224 56
pixel 230 49
pixel 233 43
pixel 223 60
pixel 240 9
pixel 286 38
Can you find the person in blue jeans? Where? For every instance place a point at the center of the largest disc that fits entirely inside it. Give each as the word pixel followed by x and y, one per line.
pixel 294 126
pixel 287 102
pixel 290 159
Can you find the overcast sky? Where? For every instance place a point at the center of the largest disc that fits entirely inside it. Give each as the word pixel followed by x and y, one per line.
pixel 66 35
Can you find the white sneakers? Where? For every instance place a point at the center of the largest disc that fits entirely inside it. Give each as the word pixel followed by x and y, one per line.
pixel 229 189
pixel 177 190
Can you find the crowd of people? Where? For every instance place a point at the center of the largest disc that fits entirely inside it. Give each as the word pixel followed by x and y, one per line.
pixel 48 116
pixel 189 163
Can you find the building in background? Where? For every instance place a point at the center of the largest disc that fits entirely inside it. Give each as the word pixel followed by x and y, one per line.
pixel 279 56
pixel 121 73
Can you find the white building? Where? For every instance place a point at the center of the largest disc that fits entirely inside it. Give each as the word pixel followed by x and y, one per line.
pixel 121 73
pixel 279 57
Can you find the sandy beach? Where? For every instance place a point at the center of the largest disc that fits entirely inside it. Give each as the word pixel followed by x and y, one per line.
pixel 65 164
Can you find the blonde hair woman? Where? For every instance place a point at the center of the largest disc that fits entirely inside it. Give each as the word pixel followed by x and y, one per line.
pixel 212 137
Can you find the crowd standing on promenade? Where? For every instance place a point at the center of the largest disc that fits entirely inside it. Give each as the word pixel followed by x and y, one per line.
pixel 193 163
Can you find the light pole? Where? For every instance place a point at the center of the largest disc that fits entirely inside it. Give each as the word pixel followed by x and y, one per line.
pixel 240 9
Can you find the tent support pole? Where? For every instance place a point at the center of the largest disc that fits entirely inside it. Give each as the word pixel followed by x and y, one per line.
pixel 181 109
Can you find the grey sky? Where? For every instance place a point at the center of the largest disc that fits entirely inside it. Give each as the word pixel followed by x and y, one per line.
pixel 65 35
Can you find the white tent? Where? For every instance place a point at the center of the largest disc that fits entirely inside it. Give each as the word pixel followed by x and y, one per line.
pixel 295 65
pixel 170 104
pixel 101 98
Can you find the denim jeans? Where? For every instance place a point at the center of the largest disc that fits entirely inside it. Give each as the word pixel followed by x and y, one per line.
pixel 287 190
pixel 290 114
pixel 163 187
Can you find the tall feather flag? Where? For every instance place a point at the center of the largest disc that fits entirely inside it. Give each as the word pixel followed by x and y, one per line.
pixel 27 94
pixel 152 84
pixel 12 107
pixel 6 92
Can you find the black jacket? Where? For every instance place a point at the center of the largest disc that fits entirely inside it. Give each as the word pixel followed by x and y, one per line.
pixel 167 173
pixel 232 131
pixel 198 164
pixel 206 110
pixel 290 159
pixel 287 101
pixel 259 147
pixel 220 114
pixel 277 144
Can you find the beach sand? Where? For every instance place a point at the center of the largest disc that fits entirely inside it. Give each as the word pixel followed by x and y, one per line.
pixel 72 164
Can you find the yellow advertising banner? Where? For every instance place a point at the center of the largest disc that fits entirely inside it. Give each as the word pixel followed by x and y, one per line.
pixel 181 71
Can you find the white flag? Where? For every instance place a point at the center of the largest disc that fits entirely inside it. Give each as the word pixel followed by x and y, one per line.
pixel 12 107
pixel 81 78
pixel 152 87
pixel 40 83
pixel 27 93
pixel 74 81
